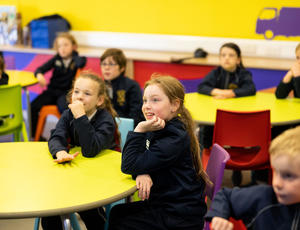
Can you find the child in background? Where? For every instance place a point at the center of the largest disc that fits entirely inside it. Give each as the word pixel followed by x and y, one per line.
pixel 229 80
pixel 125 93
pixel 89 123
pixel 263 206
pixel 3 75
pixel 64 65
pixel 291 80
pixel 163 154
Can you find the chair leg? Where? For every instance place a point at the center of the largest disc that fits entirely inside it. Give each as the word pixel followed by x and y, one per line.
pixel 74 221
pixel 107 211
pixel 36 223
pixel 40 126
pixel 24 132
pixel 17 136
pixel 108 207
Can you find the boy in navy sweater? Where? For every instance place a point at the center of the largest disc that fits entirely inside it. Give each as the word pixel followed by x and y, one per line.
pixel 266 207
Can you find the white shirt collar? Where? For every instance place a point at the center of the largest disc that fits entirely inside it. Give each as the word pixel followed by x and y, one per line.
pixel 92 115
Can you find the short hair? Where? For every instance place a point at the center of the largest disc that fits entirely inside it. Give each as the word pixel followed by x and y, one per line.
pixel 286 143
pixel 117 55
pixel 297 47
pixel 66 35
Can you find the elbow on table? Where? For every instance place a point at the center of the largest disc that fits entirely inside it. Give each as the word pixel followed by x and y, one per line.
pixel 90 152
pixel 280 96
pixel 126 168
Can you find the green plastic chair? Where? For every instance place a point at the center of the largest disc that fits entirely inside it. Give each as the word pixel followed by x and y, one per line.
pixel 11 112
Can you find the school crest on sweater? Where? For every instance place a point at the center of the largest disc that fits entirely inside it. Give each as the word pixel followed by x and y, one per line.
pixel 121 97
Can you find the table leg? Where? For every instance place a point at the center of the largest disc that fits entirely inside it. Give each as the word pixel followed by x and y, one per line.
pixel 28 112
pixel 66 222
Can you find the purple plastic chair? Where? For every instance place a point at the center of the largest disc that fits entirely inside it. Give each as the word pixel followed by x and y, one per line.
pixel 215 171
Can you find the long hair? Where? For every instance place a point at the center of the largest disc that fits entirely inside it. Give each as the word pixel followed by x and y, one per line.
pixel 102 91
pixel 237 50
pixel 174 90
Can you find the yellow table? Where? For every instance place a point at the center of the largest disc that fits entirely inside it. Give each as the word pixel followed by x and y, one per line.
pixel 32 185
pixel 283 111
pixel 25 79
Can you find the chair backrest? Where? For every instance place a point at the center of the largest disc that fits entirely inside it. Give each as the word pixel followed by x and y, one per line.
pixel 215 169
pixel 11 104
pixel 125 125
pixel 246 136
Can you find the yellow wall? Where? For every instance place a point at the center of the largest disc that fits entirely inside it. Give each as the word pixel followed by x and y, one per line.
pixel 216 18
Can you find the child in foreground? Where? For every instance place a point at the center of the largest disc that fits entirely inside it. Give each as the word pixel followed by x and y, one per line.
pixel 262 206
pixel 163 155
pixel 89 123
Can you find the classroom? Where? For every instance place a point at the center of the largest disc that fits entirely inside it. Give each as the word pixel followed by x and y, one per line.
pixel 185 40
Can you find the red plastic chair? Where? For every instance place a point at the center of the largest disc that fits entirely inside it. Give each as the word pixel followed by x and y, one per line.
pixel 44 112
pixel 246 136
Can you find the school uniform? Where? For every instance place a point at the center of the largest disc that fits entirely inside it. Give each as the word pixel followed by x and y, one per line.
pixel 240 81
pixel 177 196
pixel 4 79
pixel 60 83
pixel 93 136
pixel 257 206
pixel 283 89
pixel 126 97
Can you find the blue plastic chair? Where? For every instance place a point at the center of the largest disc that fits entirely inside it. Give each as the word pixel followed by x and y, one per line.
pixel 125 125
pixel 11 112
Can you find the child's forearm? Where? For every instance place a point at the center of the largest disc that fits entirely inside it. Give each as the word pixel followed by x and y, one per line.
pixel 288 77
pixel 221 223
